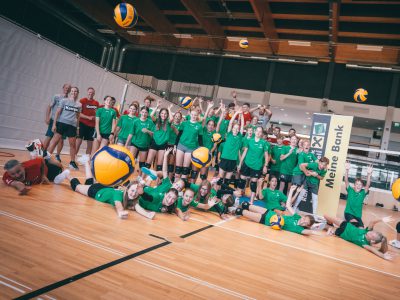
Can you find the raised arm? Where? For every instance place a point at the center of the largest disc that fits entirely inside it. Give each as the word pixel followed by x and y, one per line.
pixel 346 174
pixel 241 123
pixel 165 162
pixel 289 200
pixel 387 219
pixel 232 120
pixel 369 174
pixel 221 117
pixel 254 108
pixel 171 115
pixel 209 107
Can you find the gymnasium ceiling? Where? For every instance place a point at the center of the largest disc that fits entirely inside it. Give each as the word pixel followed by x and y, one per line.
pixel 313 29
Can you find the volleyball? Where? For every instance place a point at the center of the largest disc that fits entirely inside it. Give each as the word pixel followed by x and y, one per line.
pixel 396 189
pixel 276 222
pixel 201 157
pixel 112 165
pixel 125 15
pixel 360 95
pixel 216 138
pixel 186 102
pixel 244 44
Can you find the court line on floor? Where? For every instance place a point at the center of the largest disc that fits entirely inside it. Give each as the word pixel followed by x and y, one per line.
pixel 121 254
pixel 301 249
pixel 21 285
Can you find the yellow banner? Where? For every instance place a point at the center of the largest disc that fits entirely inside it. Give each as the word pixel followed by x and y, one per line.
pixel 337 143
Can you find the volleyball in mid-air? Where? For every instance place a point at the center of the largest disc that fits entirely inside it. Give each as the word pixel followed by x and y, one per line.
pixel 244 43
pixel 186 102
pixel 216 138
pixel 125 15
pixel 112 165
pixel 396 189
pixel 201 157
pixel 276 222
pixel 360 95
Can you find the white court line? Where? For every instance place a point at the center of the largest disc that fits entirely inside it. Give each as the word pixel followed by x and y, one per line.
pixel 301 249
pixel 12 287
pixel 158 267
pixel 20 284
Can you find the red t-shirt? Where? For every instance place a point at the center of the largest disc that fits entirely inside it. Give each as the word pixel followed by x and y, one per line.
pixel 33 173
pixel 116 110
pixel 89 109
pixel 247 117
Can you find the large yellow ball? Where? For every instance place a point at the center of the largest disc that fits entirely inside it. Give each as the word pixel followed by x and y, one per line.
pixel 396 189
pixel 360 95
pixel 112 165
pixel 125 15
pixel 186 102
pixel 201 157
pixel 276 222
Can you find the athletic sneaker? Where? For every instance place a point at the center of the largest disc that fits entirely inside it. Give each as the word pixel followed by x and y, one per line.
pixel 318 226
pixel 152 174
pixel 58 157
pixel 395 243
pixel 73 166
pixel 61 177
pixel 83 159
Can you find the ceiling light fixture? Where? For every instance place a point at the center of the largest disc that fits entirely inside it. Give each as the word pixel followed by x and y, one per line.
pixel 132 32
pixel 369 48
pixel 299 43
pixel 183 36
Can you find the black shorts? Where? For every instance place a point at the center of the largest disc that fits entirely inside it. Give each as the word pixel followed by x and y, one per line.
pixel 264 215
pixel 156 147
pixel 94 188
pixel 358 223
pixel 103 135
pixel 66 129
pixel 85 132
pixel 298 179
pixel 249 172
pixel 341 228
pixel 142 149
pixel 286 178
pixel 50 132
pixel 52 170
pixel 228 165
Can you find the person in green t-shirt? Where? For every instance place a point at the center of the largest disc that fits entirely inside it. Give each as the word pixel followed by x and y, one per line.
pixel 231 149
pixel 183 204
pixel 363 237
pixel 254 162
pixel 314 172
pixel 274 199
pixel 106 120
pixel 275 162
pixel 356 196
pixel 288 163
pixel 161 134
pixel 305 156
pixel 124 125
pixel 177 123
pixel 140 136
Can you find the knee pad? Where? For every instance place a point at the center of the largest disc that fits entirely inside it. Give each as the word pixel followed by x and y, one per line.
pixel 203 176
pixel 241 184
pixel 74 183
pixel 159 168
pixel 253 187
pixel 142 164
pixel 194 174
pixel 178 170
pixel 239 212
pixel 245 205
pixel 220 181
pixel 398 227
pixel 89 181
pixel 171 168
pixel 186 171
pixel 148 166
pixel 227 181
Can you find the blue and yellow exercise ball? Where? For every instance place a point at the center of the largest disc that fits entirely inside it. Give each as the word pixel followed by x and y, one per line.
pixel 112 165
pixel 125 15
pixel 186 102
pixel 244 43
pixel 276 222
pixel 396 189
pixel 201 157
pixel 360 95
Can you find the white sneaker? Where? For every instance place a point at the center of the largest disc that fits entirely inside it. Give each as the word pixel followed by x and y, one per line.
pixel 318 226
pixel 83 159
pixel 395 243
pixel 61 177
pixel 237 202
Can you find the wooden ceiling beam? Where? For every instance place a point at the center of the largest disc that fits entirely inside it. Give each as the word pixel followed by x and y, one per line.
pixel 370 2
pixel 243 28
pixel 302 31
pixel 356 19
pixel 197 8
pixel 176 12
pixel 300 17
pixel 190 26
pixel 368 35
pixel 334 14
pixel 300 1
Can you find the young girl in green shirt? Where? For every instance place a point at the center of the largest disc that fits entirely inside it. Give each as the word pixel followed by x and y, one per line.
pixel 124 126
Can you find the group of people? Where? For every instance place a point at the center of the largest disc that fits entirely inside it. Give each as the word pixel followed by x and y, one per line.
pixel 163 141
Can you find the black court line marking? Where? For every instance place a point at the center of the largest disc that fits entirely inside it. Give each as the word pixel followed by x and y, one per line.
pixel 92 271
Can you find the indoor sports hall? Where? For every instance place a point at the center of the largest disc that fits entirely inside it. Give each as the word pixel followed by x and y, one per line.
pixel 200 149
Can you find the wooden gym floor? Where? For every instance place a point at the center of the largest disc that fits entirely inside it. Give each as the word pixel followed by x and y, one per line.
pixel 57 244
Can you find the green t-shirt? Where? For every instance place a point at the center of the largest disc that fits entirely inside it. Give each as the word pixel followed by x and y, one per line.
pixel 232 145
pixel 314 167
pixel 268 216
pixel 188 117
pixel 223 128
pixel 355 202
pixel 276 153
pixel 125 123
pixel 302 158
pixel 273 199
pixel 173 135
pixel 106 117
pixel 255 154
pixel 355 235
pixel 140 138
pixel 153 196
pixel 161 136
pixel 290 162
pixel 196 188
pixel 180 205
pixel 207 138
pixel 164 187
pixel 109 195
pixel 291 224
pixel 190 134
